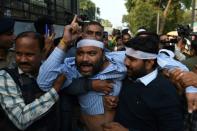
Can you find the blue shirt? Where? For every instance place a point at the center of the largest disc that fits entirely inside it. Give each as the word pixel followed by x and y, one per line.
pixel 167 62
pixel 91 102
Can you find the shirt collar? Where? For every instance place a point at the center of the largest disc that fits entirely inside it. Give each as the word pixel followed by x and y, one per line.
pixel 21 72
pixel 149 77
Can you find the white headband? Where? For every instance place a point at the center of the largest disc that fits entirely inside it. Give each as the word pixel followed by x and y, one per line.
pixel 140 30
pixel 140 54
pixel 90 42
pixel 170 53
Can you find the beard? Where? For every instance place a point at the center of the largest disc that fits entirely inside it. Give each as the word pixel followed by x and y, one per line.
pixel 96 67
pixel 136 73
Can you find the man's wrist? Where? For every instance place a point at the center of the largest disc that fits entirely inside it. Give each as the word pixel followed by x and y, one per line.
pixel 63 45
pixel 88 85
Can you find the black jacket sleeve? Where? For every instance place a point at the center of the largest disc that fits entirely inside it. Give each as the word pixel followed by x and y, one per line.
pixel 79 86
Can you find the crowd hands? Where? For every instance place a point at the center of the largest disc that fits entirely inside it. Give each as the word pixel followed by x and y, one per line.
pixel 117 42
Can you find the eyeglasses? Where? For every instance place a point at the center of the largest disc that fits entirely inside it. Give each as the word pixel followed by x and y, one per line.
pixel 97 33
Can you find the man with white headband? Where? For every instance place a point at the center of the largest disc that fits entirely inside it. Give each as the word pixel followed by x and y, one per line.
pixel 90 62
pixel 148 101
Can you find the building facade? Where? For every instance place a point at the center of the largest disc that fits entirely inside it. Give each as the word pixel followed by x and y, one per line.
pixel 28 10
pixel 25 12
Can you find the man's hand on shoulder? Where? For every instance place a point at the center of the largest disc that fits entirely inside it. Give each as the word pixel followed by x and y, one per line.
pixel 105 86
pixel 59 82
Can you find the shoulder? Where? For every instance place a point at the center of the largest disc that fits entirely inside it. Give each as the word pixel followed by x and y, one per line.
pixel 4 73
pixel 162 94
pixel 164 86
pixel 117 60
pixel 117 56
pixel 6 79
pixel 161 79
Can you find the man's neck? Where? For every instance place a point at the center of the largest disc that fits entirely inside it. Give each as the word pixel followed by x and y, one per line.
pixel 29 74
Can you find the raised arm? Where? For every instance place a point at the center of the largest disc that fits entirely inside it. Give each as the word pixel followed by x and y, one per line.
pixel 53 66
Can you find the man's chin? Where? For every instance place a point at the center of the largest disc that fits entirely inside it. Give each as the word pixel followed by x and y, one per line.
pixel 25 69
pixel 133 77
pixel 86 74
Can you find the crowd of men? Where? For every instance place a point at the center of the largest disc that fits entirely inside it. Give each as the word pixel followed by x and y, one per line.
pixel 87 81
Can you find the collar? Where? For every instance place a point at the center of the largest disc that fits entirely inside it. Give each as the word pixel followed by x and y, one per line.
pixel 21 72
pixel 149 77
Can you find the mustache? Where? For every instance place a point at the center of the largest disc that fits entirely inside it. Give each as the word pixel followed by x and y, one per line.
pixel 85 64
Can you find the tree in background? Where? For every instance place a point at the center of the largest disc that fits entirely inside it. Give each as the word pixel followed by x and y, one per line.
pixel 140 14
pixel 144 13
pixel 88 8
pixel 106 23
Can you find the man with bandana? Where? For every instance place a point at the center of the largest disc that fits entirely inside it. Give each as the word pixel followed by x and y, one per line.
pixel 90 62
pixel 148 101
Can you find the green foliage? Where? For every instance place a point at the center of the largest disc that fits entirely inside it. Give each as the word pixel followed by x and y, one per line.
pixel 106 23
pixel 187 3
pixel 87 7
pixel 144 13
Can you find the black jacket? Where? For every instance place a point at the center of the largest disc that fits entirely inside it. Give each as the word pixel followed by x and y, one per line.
pixel 155 107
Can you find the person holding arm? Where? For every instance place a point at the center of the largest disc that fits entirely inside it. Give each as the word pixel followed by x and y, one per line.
pixel 23 105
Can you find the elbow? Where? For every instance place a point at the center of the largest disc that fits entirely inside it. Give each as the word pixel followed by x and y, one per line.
pixel 22 122
pixel 21 126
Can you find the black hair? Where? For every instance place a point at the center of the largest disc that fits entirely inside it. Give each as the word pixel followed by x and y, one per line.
pixel 149 43
pixel 33 35
pixel 118 37
pixel 125 31
pixel 126 34
pixel 116 32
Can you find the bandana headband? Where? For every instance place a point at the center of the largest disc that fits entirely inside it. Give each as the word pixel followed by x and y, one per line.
pixel 89 42
pixel 140 54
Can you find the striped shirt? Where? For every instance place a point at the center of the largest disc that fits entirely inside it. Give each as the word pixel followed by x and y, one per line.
pixel 91 103
pixel 13 104
pixel 167 62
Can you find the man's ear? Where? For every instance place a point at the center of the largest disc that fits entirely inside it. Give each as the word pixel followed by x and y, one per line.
pixel 149 64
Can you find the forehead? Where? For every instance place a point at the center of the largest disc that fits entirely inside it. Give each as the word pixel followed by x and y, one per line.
pixel 126 36
pixel 27 42
pixel 94 27
pixel 133 58
pixel 88 49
